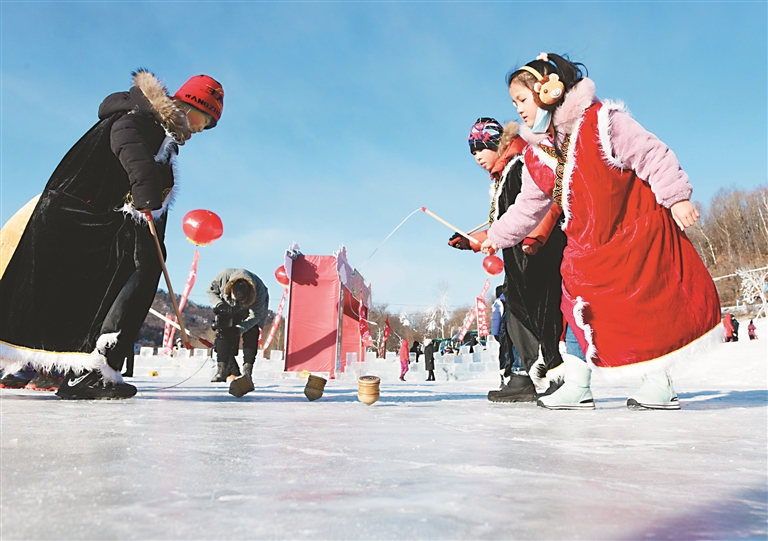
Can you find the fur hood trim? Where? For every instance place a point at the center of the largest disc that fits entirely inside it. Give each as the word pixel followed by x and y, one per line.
pixel 511 130
pixel 167 112
pixel 235 279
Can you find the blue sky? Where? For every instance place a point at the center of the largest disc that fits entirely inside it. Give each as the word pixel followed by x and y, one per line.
pixel 341 118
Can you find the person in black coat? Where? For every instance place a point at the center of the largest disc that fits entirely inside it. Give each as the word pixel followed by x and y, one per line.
pixel 429 359
pixel 416 348
pixel 532 283
pixel 86 269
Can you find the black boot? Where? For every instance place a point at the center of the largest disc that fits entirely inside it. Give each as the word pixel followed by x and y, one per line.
pixel 222 371
pixel 248 370
pixel 519 389
pixel 91 386
pixel 233 369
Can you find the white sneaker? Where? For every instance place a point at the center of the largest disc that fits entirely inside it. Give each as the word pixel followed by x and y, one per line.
pixel 575 393
pixel 656 393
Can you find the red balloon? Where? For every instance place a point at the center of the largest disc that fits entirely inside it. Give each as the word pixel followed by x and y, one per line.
pixel 282 276
pixel 493 265
pixel 202 226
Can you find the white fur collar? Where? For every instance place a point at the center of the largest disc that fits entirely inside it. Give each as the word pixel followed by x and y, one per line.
pixel 577 100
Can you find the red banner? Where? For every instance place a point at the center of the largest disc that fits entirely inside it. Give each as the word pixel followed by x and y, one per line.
pixel 486 287
pixel 170 330
pixel 468 320
pixel 387 330
pixel 482 317
pixel 475 313
pixel 276 321
pixel 365 331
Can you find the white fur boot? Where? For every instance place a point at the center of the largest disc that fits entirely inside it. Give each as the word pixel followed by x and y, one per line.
pixel 575 393
pixel 656 393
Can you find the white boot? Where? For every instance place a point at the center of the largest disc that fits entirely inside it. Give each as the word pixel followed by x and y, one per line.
pixel 546 381
pixel 575 393
pixel 656 393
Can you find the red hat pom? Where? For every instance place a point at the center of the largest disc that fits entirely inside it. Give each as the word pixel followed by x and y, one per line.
pixel 204 93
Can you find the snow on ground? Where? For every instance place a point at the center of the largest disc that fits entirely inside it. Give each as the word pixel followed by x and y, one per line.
pixel 428 461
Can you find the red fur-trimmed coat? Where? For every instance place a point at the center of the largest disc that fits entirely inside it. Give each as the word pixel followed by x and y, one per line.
pixel 634 288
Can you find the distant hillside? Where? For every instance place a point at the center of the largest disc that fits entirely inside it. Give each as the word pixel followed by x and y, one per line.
pixel 197 320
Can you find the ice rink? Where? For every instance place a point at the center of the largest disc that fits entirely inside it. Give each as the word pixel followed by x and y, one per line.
pixel 428 461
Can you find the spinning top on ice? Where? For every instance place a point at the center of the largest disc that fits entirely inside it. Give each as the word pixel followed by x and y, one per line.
pixel 368 389
pixel 241 386
pixel 314 388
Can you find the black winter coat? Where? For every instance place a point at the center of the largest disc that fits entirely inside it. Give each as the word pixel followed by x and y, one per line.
pixel 429 356
pixel 76 252
pixel 533 285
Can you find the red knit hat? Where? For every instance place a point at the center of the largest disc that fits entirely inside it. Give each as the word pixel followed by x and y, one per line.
pixel 203 93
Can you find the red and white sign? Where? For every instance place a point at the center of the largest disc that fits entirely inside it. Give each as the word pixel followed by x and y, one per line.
pixel 387 330
pixel 276 321
pixel 365 331
pixel 169 330
pixel 482 317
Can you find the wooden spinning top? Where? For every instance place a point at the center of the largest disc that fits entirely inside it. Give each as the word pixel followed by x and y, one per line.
pixel 314 388
pixel 368 389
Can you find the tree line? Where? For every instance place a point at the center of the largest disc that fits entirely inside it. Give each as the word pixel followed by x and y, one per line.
pixel 732 234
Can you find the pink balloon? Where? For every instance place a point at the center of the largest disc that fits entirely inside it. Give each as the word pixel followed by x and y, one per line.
pixel 202 226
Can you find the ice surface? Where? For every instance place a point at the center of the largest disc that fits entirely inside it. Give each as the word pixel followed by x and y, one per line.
pixel 428 461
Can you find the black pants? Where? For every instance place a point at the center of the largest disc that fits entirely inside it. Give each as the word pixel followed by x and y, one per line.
pixel 226 348
pixel 132 304
pixel 524 341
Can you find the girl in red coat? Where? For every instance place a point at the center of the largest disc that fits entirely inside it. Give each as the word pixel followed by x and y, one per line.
pixel 629 271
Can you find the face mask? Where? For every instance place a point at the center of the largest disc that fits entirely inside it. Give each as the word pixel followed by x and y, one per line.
pixel 541 123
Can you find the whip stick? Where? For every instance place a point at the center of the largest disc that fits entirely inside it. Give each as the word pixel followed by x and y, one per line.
pixel 171 322
pixel 184 336
pixel 459 231
pixel 477 228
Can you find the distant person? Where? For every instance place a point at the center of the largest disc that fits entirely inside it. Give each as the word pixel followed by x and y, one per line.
pixel 404 358
pixel 735 323
pixel 472 343
pixel 429 359
pixel 416 348
pixel 240 303
pixel 728 327
pixel 751 331
pixel 86 270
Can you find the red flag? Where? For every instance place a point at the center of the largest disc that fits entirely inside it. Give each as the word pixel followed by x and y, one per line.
pixel 365 331
pixel 167 336
pixel 276 321
pixel 387 330
pixel 170 330
pixel 470 317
